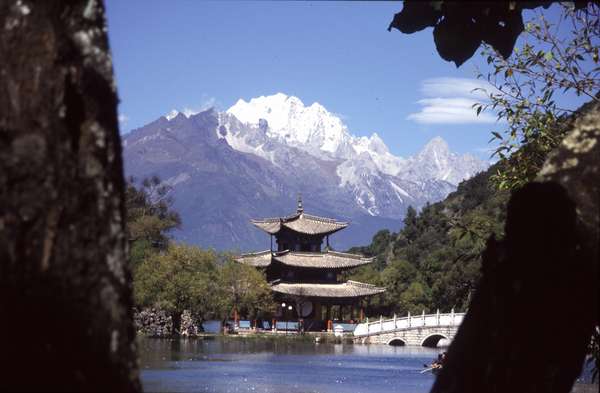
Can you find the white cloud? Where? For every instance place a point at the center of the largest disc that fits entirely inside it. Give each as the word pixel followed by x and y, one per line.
pixel 451 102
pixel 449 87
pixel 123 119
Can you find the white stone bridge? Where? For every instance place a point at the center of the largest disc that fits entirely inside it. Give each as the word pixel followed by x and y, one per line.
pixel 423 330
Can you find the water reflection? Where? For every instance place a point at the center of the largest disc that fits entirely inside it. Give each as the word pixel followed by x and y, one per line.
pixel 277 365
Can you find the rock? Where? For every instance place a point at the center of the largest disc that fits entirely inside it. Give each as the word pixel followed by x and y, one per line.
pixel 539 284
pixel 153 322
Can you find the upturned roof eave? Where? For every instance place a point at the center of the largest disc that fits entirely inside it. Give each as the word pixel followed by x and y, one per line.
pixel 274 225
pixel 349 289
pixel 324 260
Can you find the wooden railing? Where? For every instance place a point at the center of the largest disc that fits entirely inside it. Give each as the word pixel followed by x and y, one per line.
pixel 409 322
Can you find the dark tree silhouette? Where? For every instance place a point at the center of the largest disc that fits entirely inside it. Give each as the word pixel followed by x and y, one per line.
pixel 516 335
pixel 65 295
pixel 459 27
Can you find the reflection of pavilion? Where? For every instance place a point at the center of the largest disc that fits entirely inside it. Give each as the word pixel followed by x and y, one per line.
pixel 302 274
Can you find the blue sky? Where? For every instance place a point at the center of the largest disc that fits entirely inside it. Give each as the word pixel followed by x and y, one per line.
pixel 191 54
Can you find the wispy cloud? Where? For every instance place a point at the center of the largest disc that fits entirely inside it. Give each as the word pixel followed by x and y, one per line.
pixel 450 101
pixel 123 119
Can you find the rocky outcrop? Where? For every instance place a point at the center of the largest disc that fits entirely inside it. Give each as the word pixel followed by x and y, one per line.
pixel 530 321
pixel 154 322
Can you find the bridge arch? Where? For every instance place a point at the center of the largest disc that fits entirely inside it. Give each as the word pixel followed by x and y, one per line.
pixel 432 340
pixel 396 342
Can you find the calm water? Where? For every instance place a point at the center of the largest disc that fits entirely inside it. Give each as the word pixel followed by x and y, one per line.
pixel 279 366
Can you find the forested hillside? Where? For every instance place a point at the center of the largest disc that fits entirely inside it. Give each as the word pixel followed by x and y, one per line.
pixel 434 261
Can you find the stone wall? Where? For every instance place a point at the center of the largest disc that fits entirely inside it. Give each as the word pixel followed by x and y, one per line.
pixel 154 322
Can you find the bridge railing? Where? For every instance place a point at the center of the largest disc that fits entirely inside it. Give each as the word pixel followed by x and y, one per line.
pixel 411 321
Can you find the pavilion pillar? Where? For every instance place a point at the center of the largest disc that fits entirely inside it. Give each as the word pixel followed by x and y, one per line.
pixel 340 308
pixel 362 313
pixel 328 312
pixel 352 312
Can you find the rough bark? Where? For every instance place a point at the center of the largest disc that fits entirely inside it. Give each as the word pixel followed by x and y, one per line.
pixel 532 316
pixel 63 276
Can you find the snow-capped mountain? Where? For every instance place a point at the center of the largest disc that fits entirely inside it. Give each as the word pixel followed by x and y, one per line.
pixel 310 128
pixel 253 159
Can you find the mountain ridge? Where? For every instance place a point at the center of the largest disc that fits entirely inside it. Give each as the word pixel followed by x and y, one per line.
pixel 258 165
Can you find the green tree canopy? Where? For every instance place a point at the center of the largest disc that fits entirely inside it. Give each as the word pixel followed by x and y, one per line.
pixel 149 212
pixel 245 289
pixel 183 277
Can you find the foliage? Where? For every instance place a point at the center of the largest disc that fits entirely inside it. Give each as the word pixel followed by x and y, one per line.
pixel 406 291
pixel 187 278
pixel 459 28
pixel 149 213
pixel 434 261
pixel 183 277
pixel 524 88
pixel 376 249
pixel 245 289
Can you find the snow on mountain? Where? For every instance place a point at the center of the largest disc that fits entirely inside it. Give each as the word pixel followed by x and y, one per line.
pixel 436 161
pixel 311 127
pixel 322 134
pixel 253 159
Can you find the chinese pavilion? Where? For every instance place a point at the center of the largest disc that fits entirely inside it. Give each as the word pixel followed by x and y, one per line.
pixel 303 274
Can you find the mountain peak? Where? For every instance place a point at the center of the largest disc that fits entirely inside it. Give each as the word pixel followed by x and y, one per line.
pixel 310 127
pixel 436 144
pixel 437 141
pixel 171 115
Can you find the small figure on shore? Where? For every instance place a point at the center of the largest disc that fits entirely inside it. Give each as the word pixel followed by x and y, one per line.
pixel 437 364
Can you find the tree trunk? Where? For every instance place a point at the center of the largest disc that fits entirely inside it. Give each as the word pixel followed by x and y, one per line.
pixel 63 278
pixel 175 324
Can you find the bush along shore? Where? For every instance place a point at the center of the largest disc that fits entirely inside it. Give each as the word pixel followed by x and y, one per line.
pixel 156 323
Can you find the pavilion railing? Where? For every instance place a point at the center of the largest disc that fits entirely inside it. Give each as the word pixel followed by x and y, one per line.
pixel 411 321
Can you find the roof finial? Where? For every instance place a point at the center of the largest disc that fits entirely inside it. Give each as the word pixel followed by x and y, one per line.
pixel 300 208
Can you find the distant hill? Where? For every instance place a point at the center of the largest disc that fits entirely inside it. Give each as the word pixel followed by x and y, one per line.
pixel 434 261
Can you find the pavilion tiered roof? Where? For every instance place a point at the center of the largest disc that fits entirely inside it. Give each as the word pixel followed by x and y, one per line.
pixel 318 260
pixel 349 289
pixel 301 223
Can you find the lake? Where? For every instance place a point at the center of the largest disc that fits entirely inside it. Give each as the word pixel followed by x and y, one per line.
pixel 277 365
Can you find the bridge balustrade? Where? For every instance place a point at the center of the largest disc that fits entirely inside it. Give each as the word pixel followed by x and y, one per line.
pixel 410 322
